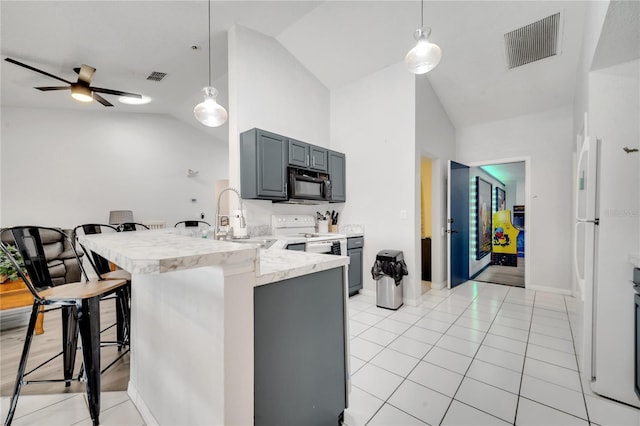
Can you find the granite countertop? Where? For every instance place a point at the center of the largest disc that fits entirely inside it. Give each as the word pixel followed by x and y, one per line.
pixel 277 265
pixel 150 252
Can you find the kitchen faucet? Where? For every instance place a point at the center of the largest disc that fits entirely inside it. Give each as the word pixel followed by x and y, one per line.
pixel 243 224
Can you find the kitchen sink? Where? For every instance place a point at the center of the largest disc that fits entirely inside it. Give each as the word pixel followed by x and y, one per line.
pixel 262 242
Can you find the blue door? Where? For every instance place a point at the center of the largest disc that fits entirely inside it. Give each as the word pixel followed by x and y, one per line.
pixel 458 223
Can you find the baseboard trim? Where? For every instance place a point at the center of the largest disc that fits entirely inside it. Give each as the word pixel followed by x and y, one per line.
pixel 438 286
pixel 144 411
pixel 564 292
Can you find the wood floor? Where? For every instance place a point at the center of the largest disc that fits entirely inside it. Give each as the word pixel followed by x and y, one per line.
pixel 507 275
pixel 48 344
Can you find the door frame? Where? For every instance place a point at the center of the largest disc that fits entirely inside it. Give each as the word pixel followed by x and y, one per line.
pixel 527 202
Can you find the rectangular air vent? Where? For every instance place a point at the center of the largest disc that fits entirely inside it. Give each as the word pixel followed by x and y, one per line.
pixel 533 42
pixel 156 76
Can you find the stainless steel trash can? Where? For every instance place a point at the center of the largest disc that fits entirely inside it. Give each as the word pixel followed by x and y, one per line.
pixel 389 291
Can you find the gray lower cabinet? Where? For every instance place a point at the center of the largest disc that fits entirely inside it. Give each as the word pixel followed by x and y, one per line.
pixel 354 251
pixel 263 165
pixel 337 171
pixel 300 367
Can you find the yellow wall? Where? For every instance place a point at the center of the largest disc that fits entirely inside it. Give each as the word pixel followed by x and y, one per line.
pixel 425 197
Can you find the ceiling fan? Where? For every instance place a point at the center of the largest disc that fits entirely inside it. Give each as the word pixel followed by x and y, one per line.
pixel 81 90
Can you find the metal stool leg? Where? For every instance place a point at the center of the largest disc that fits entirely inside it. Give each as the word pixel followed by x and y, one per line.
pixel 23 363
pixel 69 342
pixel 89 322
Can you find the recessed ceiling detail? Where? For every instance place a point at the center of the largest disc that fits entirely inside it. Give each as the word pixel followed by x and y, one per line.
pixel 156 76
pixel 533 42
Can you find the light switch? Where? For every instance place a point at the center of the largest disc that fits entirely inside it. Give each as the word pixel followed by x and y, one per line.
pixel 403 214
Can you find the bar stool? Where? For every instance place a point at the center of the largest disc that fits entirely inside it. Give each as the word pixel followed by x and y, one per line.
pixel 80 307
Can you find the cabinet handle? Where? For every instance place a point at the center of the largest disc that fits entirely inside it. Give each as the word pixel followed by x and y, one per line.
pixel 307 162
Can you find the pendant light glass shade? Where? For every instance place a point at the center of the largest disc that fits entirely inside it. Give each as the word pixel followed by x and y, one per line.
pixel 425 56
pixel 209 112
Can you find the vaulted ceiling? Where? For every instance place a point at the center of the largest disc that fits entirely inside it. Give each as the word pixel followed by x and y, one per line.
pixel 338 41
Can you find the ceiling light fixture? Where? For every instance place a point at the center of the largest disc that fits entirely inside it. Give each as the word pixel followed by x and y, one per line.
pixel 209 112
pixel 81 93
pixel 425 56
pixel 134 101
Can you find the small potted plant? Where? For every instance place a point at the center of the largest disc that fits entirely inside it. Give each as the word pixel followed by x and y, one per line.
pixel 8 272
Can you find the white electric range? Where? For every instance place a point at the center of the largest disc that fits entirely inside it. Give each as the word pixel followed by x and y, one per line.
pixel 302 229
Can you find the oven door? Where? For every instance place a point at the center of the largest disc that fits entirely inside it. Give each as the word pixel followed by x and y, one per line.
pixel 323 247
pixel 334 247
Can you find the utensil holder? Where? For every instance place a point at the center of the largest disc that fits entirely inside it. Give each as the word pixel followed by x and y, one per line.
pixel 323 226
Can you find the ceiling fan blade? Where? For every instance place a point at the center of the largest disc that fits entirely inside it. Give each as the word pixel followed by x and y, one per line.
pixel 48 88
pixel 29 67
pixel 115 92
pixel 102 100
pixel 86 74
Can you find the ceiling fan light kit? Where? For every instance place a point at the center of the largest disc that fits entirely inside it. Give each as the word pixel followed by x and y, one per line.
pixel 425 55
pixel 81 93
pixel 209 112
pixel 81 90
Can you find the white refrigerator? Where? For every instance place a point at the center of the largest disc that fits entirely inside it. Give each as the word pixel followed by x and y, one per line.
pixel 606 231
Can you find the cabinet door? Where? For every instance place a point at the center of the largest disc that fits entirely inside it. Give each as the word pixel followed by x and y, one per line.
pixel 337 170
pixel 318 158
pixel 355 270
pixel 272 170
pixel 298 153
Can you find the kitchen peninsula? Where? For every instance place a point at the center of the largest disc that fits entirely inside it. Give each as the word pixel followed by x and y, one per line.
pixel 193 347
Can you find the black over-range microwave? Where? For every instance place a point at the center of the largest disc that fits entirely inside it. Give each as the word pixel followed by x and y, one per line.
pixel 305 185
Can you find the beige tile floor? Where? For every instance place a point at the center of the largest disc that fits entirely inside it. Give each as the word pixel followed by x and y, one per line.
pixel 480 354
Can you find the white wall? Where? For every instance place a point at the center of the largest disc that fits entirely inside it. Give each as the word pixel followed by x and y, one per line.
pixel 372 122
pixel 271 90
pixel 64 168
pixel 547 139
pixel 436 139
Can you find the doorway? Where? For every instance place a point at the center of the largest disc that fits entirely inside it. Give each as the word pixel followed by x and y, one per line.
pixel 507 263
pixel 496 206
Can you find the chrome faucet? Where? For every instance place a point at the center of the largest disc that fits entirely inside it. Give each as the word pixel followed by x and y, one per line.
pixel 243 224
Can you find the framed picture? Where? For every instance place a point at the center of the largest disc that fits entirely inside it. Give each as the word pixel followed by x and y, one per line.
pixel 501 199
pixel 483 217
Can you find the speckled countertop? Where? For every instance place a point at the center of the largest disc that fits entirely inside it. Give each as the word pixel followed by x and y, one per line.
pixel 150 252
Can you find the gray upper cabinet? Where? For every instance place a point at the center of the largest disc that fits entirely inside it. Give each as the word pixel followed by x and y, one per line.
pixel 337 170
pixel 298 153
pixel 319 158
pixel 263 165
pixel 307 156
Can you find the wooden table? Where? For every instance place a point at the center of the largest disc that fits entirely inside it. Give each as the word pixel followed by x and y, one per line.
pixel 15 294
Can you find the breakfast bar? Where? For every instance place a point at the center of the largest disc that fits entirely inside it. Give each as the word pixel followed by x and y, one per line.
pixel 192 306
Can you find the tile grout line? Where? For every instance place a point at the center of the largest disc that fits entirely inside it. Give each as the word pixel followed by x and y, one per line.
pixel 575 353
pixel 473 359
pixel 405 378
pixel 524 359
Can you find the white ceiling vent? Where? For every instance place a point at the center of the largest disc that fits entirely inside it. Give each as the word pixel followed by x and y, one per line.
pixel 533 42
pixel 156 76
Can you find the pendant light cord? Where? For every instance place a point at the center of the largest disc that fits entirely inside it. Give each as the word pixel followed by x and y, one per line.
pixel 209 36
pixel 422 14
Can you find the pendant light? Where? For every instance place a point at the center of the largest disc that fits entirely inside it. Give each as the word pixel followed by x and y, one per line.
pixel 425 56
pixel 209 112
